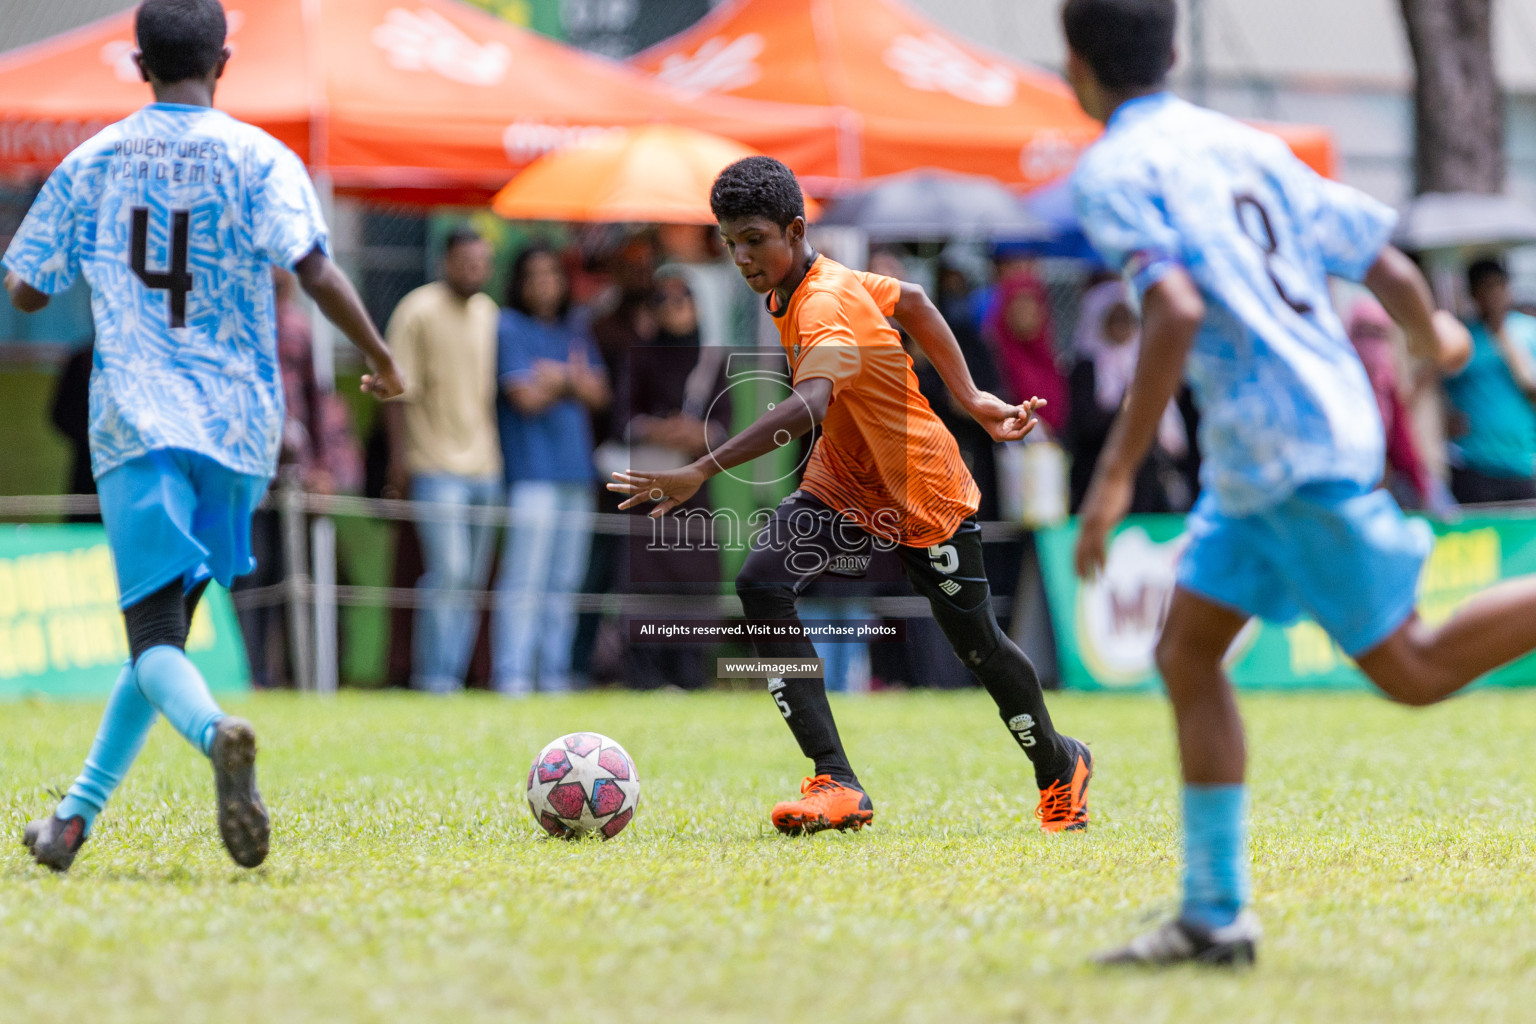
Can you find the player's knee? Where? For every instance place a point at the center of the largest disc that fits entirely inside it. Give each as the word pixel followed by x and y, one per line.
pixel 766 600
pixel 763 598
pixel 1179 654
pixel 1167 655
pixel 754 573
pixel 159 620
pixel 1416 684
pixel 1406 670
pixel 979 642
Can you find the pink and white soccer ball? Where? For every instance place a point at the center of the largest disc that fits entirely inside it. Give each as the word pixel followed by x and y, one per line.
pixel 583 783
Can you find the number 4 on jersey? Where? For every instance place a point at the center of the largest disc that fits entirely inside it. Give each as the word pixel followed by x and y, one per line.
pixel 176 280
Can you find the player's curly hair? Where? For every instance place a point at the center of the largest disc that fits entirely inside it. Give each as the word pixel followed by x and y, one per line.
pixel 1127 43
pixel 180 39
pixel 757 186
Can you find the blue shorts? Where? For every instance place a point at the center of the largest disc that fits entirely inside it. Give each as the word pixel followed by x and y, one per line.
pixel 1347 557
pixel 175 514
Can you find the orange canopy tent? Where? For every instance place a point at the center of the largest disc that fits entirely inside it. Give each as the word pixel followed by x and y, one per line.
pixel 431 100
pixel 905 93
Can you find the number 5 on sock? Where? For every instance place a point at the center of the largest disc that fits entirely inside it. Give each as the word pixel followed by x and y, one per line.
pixel 774 687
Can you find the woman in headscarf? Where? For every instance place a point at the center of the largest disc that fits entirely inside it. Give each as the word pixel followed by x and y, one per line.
pixel 1105 348
pixel 1021 334
pixel 674 408
pixel 1371 331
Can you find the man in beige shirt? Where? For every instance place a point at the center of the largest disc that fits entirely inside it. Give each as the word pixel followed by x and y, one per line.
pixel 444 449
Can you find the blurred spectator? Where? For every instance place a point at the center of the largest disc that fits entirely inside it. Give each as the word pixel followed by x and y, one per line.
pixel 319 453
pixel 960 267
pixel 1022 337
pixel 952 296
pixel 71 417
pixel 1007 261
pixel 693 251
pixel 1105 349
pixel 669 399
pixel 552 378
pixel 1373 334
pixel 675 407
pixel 629 320
pixel 1493 452
pixel 318 441
pixel 443 449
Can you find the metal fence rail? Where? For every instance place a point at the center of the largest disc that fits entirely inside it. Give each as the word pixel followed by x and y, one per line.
pixel 50 506
pixel 312 595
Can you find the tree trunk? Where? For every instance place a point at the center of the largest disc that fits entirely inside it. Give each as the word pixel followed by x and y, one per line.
pixel 1458 106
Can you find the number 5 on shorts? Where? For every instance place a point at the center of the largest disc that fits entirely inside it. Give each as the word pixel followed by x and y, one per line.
pixel 944 557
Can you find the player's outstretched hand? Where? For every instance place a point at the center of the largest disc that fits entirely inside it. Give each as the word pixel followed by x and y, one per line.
pixel 1106 503
pixel 1004 422
pixel 668 490
pixel 384 384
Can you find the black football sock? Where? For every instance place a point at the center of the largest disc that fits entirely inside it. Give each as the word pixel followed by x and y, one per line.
pixel 1011 679
pixel 803 702
pixel 805 708
pixel 960 597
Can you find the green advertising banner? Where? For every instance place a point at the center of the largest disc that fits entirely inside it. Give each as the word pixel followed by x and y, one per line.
pixel 61 634
pixel 542 16
pixel 1105 630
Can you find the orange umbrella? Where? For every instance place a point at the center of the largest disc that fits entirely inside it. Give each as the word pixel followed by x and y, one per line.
pixel 655 174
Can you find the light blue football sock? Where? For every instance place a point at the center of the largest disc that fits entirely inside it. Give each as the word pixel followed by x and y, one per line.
pixel 1215 854
pixel 176 688
pixel 124 727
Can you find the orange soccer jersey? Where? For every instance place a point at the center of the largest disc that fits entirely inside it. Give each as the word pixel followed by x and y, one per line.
pixel 883 457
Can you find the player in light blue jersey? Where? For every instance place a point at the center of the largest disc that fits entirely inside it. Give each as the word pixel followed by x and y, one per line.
pixel 1230 240
pixel 176 216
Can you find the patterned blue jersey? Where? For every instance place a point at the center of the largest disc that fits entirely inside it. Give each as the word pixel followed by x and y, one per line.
pixel 175 215
pixel 1283 397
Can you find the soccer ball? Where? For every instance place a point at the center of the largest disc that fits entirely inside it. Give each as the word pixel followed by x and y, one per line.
pixel 583 783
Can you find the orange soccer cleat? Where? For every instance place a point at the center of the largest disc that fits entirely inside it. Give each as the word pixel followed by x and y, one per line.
pixel 824 803
pixel 1064 803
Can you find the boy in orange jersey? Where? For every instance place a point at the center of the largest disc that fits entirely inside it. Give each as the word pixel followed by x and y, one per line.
pixel 885 473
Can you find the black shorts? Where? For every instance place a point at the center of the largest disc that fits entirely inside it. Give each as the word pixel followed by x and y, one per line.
pixel 806 539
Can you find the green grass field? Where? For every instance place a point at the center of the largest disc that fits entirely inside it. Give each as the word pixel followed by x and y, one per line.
pixel 1394 870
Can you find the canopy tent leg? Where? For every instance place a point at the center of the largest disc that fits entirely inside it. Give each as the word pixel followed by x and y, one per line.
pixel 322 531
pixel 297 583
